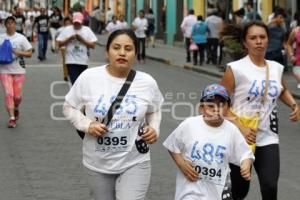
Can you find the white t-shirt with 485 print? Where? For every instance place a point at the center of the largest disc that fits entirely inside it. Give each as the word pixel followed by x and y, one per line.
pixel 77 52
pixel 210 149
pixel 96 89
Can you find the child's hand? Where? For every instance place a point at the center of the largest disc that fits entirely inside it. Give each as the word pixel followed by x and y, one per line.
pixel 188 170
pixel 246 169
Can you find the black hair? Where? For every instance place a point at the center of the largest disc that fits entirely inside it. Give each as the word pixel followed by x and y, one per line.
pixel 127 32
pixel 142 11
pixel 67 19
pixel 191 12
pixel 150 11
pixel 297 18
pixel 254 23
pixel 279 11
pixel 9 18
pixel 199 18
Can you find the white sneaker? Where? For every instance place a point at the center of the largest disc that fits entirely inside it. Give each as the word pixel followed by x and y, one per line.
pixel 298 85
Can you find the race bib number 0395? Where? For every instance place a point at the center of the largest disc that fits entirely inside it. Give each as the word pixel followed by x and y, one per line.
pixel 113 142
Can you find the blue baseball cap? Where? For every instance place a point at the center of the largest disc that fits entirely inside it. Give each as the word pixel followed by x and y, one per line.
pixel 213 90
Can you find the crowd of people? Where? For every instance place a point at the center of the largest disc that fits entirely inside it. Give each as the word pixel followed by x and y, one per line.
pixel 121 119
pixel 204 37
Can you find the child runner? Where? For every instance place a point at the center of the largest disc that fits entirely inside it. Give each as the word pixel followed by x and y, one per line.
pixel 202 147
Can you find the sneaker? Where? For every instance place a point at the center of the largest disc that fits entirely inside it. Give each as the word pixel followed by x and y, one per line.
pixel 12 123
pixel 298 85
pixel 17 114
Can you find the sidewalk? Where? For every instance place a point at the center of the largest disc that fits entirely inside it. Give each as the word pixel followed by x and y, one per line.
pixel 175 56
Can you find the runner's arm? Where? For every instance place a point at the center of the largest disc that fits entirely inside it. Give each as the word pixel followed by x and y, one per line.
pixel 229 83
pixel 287 98
pixel 154 120
pixel 76 117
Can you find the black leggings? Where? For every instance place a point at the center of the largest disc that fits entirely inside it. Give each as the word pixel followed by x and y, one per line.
pixel 267 168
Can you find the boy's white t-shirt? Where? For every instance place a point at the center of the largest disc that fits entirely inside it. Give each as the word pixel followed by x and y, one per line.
pixel 19 42
pixel 95 89
pixel 210 149
pixel 76 52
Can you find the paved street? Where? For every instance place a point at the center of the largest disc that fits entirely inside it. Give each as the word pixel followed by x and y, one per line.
pixel 41 158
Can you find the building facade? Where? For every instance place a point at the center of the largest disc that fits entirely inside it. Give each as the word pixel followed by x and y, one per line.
pixel 168 13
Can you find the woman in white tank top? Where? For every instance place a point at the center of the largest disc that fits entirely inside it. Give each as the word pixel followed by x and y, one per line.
pixel 245 80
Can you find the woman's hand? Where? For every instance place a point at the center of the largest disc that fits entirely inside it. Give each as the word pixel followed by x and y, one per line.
pixel 246 169
pixel 97 129
pixel 249 134
pixel 188 170
pixel 149 135
pixel 295 114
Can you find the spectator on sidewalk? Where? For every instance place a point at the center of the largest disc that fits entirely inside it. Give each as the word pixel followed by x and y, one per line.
pixel 150 33
pixel 293 49
pixel 56 21
pixel 163 18
pixel 140 25
pixel 12 75
pixel 276 38
pixel 245 81
pixel 250 14
pixel 186 28
pixel 215 25
pixel 118 169
pixel 294 22
pixel 43 23
pixel 77 39
pixel 199 32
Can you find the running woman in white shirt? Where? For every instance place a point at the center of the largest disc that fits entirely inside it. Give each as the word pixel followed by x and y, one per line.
pixel 114 166
pixel 202 147
pixel 245 80
pixel 12 75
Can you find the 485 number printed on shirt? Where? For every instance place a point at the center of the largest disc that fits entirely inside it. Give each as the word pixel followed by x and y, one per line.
pixel 209 162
